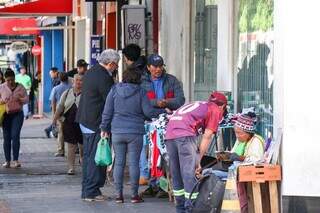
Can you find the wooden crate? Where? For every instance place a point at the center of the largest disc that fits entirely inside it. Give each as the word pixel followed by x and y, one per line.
pixel 257 179
pixel 260 173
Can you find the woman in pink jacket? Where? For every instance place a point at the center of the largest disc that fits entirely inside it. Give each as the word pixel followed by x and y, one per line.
pixel 14 96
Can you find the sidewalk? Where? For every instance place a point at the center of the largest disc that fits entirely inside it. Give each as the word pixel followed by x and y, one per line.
pixel 41 185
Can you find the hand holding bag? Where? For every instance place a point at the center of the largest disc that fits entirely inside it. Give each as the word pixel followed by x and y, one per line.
pixel 103 155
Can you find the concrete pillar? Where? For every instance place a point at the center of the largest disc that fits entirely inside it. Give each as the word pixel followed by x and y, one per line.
pixel 297 103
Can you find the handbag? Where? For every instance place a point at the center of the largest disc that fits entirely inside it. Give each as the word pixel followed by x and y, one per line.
pixel 2 111
pixel 103 155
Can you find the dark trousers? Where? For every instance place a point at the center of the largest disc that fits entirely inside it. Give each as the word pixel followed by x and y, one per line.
pixel 184 158
pixel 93 177
pixel 123 144
pixel 12 124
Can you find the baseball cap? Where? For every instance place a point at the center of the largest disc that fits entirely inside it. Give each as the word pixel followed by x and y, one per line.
pixel 81 63
pixel 218 97
pixel 155 60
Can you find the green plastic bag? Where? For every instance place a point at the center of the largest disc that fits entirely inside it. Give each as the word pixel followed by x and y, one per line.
pixel 103 155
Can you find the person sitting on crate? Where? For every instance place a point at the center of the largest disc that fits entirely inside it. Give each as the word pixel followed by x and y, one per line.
pixel 249 149
pixel 249 146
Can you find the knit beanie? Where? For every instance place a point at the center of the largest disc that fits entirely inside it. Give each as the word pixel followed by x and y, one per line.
pixel 246 122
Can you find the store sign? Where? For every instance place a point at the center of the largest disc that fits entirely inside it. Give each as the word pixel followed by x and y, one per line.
pixel 96 48
pixel 19 47
pixel 134 25
pixel 36 50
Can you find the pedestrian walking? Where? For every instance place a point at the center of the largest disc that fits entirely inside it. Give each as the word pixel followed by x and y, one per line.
pixel 127 128
pixel 24 79
pixel 190 120
pixel 66 113
pixel 55 81
pixel 55 98
pixel 97 83
pixel 14 96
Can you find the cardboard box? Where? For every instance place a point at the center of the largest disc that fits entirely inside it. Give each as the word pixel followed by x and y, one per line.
pixel 260 173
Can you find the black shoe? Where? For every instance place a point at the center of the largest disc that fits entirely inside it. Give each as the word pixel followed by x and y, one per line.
pixel 136 199
pixel 119 199
pixel 47 133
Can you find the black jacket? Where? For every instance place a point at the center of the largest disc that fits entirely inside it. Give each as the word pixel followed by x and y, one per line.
pixel 95 87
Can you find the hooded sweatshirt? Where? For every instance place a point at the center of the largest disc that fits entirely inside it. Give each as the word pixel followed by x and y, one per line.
pixel 126 109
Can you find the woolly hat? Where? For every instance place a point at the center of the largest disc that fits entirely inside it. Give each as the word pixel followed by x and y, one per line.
pixel 246 122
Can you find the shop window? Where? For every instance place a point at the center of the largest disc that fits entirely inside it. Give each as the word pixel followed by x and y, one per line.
pixel 205 48
pixel 255 61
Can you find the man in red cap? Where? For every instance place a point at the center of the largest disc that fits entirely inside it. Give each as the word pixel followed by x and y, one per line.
pixel 189 121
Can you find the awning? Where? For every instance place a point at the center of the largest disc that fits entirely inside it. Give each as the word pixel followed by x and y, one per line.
pixel 39 8
pixel 8 25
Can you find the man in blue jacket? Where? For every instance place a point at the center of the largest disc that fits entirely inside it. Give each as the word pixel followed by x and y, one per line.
pixel 163 91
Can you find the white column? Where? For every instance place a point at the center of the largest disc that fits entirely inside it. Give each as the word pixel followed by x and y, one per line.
pixel 225 45
pixel 296 94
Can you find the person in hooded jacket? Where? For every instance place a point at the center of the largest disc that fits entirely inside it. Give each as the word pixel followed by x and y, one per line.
pixel 126 109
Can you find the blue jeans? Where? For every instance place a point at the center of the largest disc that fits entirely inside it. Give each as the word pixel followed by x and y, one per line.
pixel 12 124
pixel 143 164
pixel 123 144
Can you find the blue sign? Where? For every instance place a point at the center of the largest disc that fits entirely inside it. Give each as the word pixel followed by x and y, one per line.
pixel 96 48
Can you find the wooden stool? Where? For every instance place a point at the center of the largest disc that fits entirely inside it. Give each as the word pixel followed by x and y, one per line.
pixel 262 187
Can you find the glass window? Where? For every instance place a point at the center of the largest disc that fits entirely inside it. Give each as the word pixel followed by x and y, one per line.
pixel 205 47
pixel 255 61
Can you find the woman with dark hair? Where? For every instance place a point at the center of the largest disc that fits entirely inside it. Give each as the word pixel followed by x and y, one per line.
pixel 14 96
pixel 125 111
pixel 1 76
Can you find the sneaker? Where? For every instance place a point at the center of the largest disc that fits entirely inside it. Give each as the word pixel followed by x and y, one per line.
pixel 16 164
pixel 162 194
pixel 136 199
pixel 149 192
pixel 96 198
pixel 58 154
pixel 143 181
pixel 70 172
pixel 119 199
pixel 6 164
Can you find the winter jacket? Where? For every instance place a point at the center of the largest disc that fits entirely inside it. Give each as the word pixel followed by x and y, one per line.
pixel 172 89
pixel 97 83
pixel 126 109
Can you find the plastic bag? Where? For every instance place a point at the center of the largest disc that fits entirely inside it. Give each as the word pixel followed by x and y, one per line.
pixel 103 155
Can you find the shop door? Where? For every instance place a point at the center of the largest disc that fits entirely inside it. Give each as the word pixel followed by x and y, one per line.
pixel 206 32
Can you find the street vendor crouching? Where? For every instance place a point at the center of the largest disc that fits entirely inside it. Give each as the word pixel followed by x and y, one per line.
pixel 182 130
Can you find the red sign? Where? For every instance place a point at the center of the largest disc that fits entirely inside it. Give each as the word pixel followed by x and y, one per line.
pixel 36 50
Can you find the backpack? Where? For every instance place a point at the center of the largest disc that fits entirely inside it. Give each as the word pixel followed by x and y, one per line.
pixel 211 191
